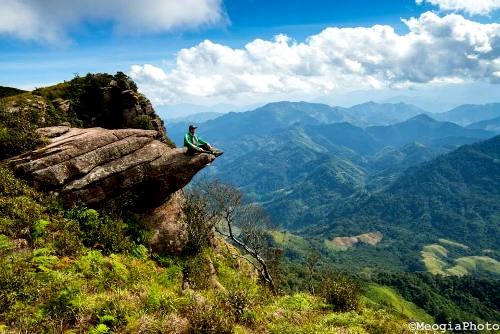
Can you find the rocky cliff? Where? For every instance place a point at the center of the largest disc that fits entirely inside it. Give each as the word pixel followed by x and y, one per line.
pixel 126 169
pixel 95 100
pixel 96 140
pixel 108 101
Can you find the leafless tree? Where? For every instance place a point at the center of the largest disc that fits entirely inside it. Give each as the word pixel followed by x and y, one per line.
pixel 244 224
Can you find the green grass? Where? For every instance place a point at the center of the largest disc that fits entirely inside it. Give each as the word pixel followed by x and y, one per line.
pixel 436 250
pixel 479 263
pixel 290 241
pixel 453 244
pixel 388 298
pixel 434 258
pixel 58 283
pixel 437 261
pixel 304 314
pixel 329 244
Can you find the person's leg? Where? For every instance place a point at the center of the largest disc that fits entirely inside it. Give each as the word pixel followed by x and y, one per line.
pixel 205 147
pixel 191 151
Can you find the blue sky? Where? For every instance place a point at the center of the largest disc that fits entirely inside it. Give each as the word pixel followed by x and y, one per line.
pixel 42 45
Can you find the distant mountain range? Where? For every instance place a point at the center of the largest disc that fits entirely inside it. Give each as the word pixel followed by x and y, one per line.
pixel 324 171
pixel 363 115
pixel 280 148
pixel 489 125
pixel 196 117
pixel 456 196
pixel 470 113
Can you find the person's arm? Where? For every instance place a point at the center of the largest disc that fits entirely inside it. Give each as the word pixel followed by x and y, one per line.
pixel 202 142
pixel 189 143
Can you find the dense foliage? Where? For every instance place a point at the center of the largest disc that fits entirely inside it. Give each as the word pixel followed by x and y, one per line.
pixel 20 116
pixel 95 99
pixel 69 270
pixel 9 91
pixel 91 100
pixel 449 299
pixel 322 178
pixel 72 268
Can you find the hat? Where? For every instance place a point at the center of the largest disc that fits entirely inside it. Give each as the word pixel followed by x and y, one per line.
pixel 192 126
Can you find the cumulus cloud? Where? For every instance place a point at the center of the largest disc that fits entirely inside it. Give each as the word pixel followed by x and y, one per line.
pixel 436 49
pixel 473 7
pixel 49 20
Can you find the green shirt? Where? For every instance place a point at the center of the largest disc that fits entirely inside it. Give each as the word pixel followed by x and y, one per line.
pixel 193 141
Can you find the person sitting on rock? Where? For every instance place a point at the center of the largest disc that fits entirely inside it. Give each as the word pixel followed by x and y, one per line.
pixel 195 144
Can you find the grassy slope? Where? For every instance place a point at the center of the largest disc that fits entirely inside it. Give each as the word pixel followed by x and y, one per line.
pixel 49 285
pixel 9 91
pixel 387 297
pixel 437 260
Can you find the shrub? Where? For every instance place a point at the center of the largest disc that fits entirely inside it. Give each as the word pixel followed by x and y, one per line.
pixel 65 236
pixel 17 279
pixel 208 318
pixel 99 329
pixel 101 231
pixel 5 245
pixel 39 227
pixel 20 206
pixel 17 133
pixel 197 271
pixel 341 291
pixel 200 225
pixel 143 122
pixel 239 301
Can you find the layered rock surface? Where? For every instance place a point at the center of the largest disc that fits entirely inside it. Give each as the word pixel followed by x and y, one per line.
pixel 123 168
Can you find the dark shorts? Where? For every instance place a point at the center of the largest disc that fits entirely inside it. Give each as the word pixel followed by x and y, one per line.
pixel 191 151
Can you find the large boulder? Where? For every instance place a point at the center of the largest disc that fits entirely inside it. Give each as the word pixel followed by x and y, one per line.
pixel 123 169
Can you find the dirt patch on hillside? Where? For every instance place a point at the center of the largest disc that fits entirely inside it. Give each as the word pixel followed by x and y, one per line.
pixel 372 238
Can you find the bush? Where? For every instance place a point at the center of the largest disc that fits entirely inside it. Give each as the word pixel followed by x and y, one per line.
pixel 17 133
pixel 342 292
pixel 197 271
pixel 143 122
pixel 200 225
pixel 101 232
pixel 20 206
pixel 209 318
pixel 239 301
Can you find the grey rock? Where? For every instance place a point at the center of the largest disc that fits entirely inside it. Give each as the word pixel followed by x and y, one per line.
pixel 122 168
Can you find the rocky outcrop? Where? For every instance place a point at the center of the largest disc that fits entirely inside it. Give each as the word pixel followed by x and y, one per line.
pixel 104 100
pixel 122 168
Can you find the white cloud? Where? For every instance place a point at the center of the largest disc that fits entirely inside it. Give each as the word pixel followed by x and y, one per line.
pixel 473 7
pixel 436 50
pixel 50 20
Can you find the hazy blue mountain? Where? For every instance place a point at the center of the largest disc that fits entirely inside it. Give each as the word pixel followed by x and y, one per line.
pixel 492 125
pixel 372 113
pixel 421 128
pixel 266 149
pixel 299 159
pixel 268 119
pixel 279 115
pixel 271 117
pixel 262 120
pixel 470 113
pixel 186 109
pixel 195 118
pixel 345 135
